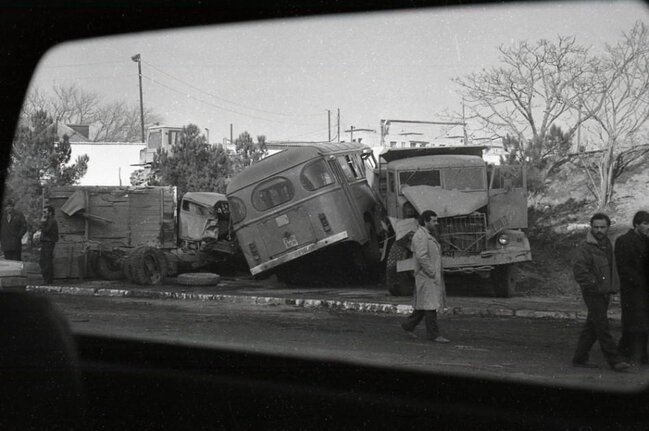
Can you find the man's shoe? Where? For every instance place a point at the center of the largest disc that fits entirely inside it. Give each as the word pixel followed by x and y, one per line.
pixel 584 365
pixel 441 339
pixel 621 366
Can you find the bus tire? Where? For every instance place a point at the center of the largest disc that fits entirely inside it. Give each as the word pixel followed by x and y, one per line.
pixel 148 266
pixel 108 268
pixel 398 283
pixel 503 281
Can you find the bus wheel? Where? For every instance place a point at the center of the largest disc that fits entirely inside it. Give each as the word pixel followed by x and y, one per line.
pixel 503 281
pixel 398 283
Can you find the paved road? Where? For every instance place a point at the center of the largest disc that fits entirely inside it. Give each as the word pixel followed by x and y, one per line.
pixel 535 350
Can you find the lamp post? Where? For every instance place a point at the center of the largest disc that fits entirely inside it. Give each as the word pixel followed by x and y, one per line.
pixel 136 58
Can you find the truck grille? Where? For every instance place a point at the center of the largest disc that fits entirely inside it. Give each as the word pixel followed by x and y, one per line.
pixel 463 235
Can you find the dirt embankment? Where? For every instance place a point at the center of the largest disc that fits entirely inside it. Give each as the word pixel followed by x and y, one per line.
pixel 559 222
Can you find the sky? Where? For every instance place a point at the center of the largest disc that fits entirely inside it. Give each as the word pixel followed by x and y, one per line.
pixel 278 78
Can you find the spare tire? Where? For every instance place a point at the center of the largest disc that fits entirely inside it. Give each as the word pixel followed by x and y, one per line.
pixel 198 279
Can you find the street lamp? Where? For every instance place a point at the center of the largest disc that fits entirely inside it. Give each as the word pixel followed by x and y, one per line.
pixel 136 58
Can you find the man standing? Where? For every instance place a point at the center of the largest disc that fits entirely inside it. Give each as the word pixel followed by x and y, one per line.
pixel 594 269
pixel 49 237
pixel 632 256
pixel 12 229
pixel 430 294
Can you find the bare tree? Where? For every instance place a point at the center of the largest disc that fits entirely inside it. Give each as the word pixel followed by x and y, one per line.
pixel 618 107
pixel 109 121
pixel 536 86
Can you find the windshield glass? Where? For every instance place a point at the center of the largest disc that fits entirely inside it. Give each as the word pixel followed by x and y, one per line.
pixel 319 259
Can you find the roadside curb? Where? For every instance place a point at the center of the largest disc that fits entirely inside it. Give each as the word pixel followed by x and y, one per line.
pixel 330 304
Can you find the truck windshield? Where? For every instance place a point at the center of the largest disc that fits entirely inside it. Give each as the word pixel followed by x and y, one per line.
pixel 420 178
pixel 464 178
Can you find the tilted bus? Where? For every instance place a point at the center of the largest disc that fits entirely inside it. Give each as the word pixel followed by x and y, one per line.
pixel 302 199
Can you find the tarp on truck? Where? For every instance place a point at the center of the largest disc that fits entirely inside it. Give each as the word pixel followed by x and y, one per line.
pixel 446 203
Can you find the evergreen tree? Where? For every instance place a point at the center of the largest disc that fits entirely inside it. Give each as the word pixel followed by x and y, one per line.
pixel 39 160
pixel 192 165
pixel 247 151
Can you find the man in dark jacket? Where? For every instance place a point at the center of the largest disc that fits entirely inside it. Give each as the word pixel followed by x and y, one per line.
pixel 12 229
pixel 49 237
pixel 594 269
pixel 632 256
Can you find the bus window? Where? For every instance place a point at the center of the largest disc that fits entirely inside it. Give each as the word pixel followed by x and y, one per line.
pixel 272 193
pixel 237 209
pixel 315 176
pixel 351 169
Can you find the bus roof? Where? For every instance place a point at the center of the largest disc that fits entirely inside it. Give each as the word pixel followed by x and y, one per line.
pixel 292 154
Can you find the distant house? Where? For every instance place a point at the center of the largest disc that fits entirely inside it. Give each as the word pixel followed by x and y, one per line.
pixel 75 132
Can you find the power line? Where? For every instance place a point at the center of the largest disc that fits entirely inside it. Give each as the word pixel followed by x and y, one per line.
pixel 223 108
pixel 221 98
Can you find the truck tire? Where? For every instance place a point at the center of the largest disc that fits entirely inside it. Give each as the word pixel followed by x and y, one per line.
pixel 107 268
pixel 198 279
pixel 147 266
pixel 503 281
pixel 398 283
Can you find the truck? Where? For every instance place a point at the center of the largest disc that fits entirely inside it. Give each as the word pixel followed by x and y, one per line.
pixel 138 233
pixel 481 209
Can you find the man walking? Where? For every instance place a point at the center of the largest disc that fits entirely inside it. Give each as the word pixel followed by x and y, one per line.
pixel 594 269
pixel 12 229
pixel 632 257
pixel 430 294
pixel 49 237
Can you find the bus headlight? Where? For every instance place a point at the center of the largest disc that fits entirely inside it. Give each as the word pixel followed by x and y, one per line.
pixel 503 239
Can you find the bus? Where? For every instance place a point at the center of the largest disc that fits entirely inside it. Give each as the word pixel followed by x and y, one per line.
pixel 304 198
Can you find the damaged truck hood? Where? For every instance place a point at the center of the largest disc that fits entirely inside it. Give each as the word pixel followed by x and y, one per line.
pixel 446 203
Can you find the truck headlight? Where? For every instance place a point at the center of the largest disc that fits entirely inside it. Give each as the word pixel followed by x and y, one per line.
pixel 503 239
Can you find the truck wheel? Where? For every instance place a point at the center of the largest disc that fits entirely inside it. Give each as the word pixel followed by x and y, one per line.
pixel 198 279
pixel 503 281
pixel 107 268
pixel 398 283
pixel 147 266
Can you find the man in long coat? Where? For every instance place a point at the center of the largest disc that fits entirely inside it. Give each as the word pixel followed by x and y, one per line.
pixel 632 256
pixel 595 271
pixel 12 229
pixel 430 292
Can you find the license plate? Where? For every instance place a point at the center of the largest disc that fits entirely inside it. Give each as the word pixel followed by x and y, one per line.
pixel 290 241
pixel 281 220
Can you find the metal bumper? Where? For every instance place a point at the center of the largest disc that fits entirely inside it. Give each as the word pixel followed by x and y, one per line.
pixel 299 252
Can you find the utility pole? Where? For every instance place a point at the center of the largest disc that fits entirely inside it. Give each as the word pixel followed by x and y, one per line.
pixel 207 133
pixel 338 133
pixel 231 138
pixel 351 134
pixel 329 125
pixel 136 58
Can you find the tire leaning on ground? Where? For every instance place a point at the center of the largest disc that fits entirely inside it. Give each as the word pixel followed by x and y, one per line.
pixel 147 266
pixel 198 279
pixel 398 283
pixel 503 281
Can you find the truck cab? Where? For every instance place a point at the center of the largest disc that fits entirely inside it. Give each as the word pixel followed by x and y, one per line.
pixel 481 208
